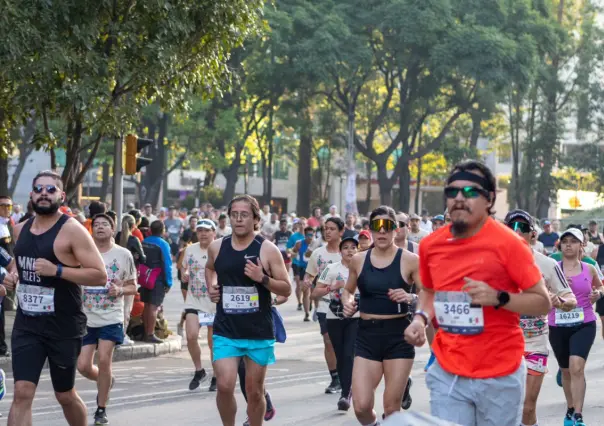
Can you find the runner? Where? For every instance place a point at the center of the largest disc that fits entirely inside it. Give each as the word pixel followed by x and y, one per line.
pixel 55 255
pixel 342 331
pixel 364 240
pixel 572 334
pixel 104 308
pixel 594 235
pixel 535 327
pixel 415 233
pixel 280 238
pixel 383 276
pixel 248 270
pixel 199 309
pixel 401 233
pixel 299 250
pixel 319 259
pixel 476 261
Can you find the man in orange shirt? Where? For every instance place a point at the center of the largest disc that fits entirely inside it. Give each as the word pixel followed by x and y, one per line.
pixel 478 276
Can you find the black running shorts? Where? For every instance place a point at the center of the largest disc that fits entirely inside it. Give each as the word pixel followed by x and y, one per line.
pixel 30 352
pixel 576 340
pixel 380 340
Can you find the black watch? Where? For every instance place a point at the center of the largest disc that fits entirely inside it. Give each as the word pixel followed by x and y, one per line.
pixel 265 280
pixel 503 297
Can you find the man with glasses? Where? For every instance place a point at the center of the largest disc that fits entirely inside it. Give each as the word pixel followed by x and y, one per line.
pixel 6 224
pixel 535 327
pixel 55 256
pixel 478 277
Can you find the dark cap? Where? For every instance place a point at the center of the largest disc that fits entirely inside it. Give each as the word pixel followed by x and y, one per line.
pixel 519 214
pixel 353 239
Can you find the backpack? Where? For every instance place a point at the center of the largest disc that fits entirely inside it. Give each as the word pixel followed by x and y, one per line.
pixel 152 271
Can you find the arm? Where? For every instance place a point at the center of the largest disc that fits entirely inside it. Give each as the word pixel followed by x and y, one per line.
pixel 138 248
pixel 210 272
pixel 596 285
pixel 323 285
pixel 348 302
pixel 165 248
pixel 278 282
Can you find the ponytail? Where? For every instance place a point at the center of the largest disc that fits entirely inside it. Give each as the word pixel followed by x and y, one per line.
pixel 127 226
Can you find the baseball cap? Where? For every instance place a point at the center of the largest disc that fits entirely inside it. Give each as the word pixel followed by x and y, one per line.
pixel 575 233
pixel 413 216
pixel 353 239
pixel 205 224
pixel 546 222
pixel 593 222
pixel 438 217
pixel 365 233
pixel 519 214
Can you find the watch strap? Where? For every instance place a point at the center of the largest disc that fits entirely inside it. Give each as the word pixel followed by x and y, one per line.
pixel 59 271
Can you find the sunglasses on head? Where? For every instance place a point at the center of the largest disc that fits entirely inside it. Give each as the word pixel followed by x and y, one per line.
pixel 377 224
pixel 50 189
pixel 525 228
pixel 466 192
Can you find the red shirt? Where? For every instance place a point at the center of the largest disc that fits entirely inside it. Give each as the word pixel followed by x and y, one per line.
pixel 500 258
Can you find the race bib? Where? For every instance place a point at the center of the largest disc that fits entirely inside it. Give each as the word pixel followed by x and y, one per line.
pixel 569 319
pixel 240 300
pixel 206 319
pixel 282 246
pixel 456 314
pixel 35 300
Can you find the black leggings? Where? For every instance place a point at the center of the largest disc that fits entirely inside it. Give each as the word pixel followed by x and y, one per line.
pixel 343 336
pixel 567 341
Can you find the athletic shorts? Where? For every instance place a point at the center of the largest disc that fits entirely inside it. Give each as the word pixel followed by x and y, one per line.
pixel 30 352
pixel 568 341
pixel 112 333
pixel 155 296
pixel 262 352
pixel 322 317
pixel 174 249
pixel 301 272
pixel 536 363
pixel 600 307
pixel 379 340
pixel 205 319
pixel 286 257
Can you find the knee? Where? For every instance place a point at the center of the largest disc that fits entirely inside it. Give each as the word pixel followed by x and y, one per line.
pixel 254 393
pixel 361 406
pixel 84 368
pixel 66 398
pixel 576 369
pixel 105 362
pixel 191 339
pixel 24 393
pixel 225 386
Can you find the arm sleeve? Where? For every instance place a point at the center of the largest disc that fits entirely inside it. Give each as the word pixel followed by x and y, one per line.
pixel 5 258
pixel 520 263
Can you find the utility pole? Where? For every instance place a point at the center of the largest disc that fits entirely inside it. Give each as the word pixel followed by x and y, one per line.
pixel 118 181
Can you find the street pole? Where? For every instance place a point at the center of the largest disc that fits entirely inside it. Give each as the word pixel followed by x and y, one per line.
pixel 118 181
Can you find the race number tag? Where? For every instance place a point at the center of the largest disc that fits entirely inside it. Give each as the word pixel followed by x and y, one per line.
pixel 206 319
pixel 569 319
pixel 456 314
pixel 240 300
pixel 35 300
pixel 282 246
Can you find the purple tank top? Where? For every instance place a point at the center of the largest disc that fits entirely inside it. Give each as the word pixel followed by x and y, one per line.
pixel 581 287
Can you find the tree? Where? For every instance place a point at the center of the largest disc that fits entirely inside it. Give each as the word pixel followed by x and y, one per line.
pixel 95 64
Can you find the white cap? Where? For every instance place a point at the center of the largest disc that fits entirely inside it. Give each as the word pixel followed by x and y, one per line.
pixel 575 233
pixel 206 224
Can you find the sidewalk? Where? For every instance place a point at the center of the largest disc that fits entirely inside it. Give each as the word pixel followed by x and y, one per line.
pixel 139 350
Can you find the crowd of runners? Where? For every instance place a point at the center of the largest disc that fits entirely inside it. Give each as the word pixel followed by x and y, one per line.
pixel 486 294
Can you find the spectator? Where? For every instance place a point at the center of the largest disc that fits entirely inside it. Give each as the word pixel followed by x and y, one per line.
pixel 137 220
pixel 96 207
pixel 548 237
pixel 144 227
pixel 17 213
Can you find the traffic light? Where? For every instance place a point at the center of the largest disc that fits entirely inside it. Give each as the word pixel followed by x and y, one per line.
pixel 134 145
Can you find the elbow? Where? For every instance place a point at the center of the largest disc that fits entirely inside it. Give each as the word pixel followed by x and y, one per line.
pixel 102 277
pixel 287 292
pixel 545 306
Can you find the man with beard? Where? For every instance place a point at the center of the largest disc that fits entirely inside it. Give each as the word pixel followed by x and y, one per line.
pixel 55 255
pixel 478 277
pixel 104 308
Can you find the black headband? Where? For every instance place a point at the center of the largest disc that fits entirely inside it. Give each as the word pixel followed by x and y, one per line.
pixel 472 177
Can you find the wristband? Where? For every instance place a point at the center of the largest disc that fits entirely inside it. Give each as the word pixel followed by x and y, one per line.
pixel 59 271
pixel 424 315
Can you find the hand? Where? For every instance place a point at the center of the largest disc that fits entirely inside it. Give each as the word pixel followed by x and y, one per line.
pixel 399 295
pixel 556 302
pixel 254 271
pixel 184 277
pixel 594 296
pixel 415 333
pixel 307 283
pixel 10 281
pixel 480 292
pixel 298 244
pixel 114 290
pixel 45 268
pixel 214 292
pixel 2 291
pixel 350 307
pixel 337 285
pixel 569 305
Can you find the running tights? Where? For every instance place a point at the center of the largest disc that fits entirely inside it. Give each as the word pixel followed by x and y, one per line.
pixel 343 336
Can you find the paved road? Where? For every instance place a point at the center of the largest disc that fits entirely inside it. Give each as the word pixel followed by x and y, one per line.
pixel 155 391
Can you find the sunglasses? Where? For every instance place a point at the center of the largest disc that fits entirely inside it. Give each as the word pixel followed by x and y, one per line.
pixel 309 235
pixel 402 224
pixel 50 189
pixel 466 192
pixel 377 224
pixel 525 228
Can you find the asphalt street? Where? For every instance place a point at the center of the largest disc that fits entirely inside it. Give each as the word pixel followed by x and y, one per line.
pixel 155 391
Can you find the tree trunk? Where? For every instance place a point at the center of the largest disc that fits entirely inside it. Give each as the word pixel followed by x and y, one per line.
pixel 385 184
pixel 404 183
pixel 105 181
pixel 231 175
pixel 419 183
pixel 476 129
pixel 3 175
pixel 304 165
pixel 368 166
pixel 154 173
pixel 25 148
pixel 271 147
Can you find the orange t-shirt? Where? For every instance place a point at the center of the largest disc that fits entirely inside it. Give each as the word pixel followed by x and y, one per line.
pixel 88 225
pixel 500 258
pixel 138 234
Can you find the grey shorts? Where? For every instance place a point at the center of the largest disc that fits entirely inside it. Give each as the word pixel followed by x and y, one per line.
pixel 477 402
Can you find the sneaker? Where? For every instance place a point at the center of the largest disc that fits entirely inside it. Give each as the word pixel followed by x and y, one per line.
pixel 559 378
pixel 430 361
pixel 246 422
pixel 406 401
pixel 127 341
pixel 334 387
pixel 198 377
pixel 315 317
pixel 299 306
pixel 2 382
pixel 344 404
pixel 100 418
pixel 153 339
pixel 578 421
pixel 306 318
pixel 569 420
pixel 180 330
pixel 270 408
pixel 213 385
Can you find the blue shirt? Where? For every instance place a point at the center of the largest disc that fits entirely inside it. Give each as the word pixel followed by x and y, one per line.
pixel 293 239
pixel 165 250
pixel 548 240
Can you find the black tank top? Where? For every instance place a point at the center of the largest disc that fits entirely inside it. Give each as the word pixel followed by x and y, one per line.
pixel 595 240
pixel 68 320
pixel 244 309
pixel 600 256
pixel 374 283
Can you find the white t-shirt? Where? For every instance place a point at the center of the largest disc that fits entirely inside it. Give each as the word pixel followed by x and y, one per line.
pixel 535 327
pixel 99 307
pixel 269 229
pixel 426 226
pixel 223 232
pixel 319 259
pixel 330 275
pixel 538 246
pixel 265 217
pixel 416 237
pixel 194 262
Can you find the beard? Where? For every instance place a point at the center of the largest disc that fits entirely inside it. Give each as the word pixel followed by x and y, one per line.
pixel 459 227
pixel 50 209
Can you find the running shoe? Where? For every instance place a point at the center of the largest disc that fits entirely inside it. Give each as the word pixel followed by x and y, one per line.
pixel 559 378
pixel 334 386
pixel 213 385
pixel 430 361
pixel 344 404
pixel 306 318
pixel 299 306
pixel 180 330
pixel 578 420
pixel 270 408
pixel 569 421
pixel 315 317
pixel 127 341
pixel 198 377
pixel 407 400
pixel 579 423
pixel 100 417
pixel 2 383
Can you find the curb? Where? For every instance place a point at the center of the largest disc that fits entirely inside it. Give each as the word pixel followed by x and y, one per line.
pixel 139 350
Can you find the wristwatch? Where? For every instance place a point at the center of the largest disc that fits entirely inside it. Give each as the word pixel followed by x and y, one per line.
pixel 59 271
pixel 424 315
pixel 265 280
pixel 503 297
